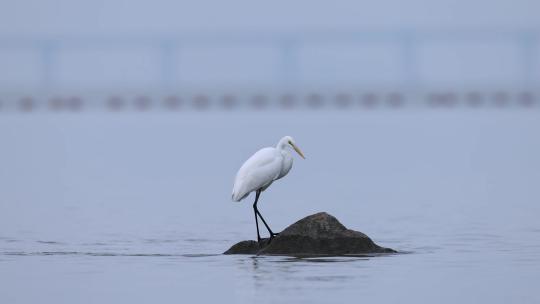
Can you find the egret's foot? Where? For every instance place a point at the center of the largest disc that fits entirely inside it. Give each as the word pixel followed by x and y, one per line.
pixel 272 235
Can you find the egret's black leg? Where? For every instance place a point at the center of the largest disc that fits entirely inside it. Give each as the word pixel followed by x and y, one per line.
pixel 272 234
pixel 255 211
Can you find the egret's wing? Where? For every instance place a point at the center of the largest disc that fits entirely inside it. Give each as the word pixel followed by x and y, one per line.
pixel 258 171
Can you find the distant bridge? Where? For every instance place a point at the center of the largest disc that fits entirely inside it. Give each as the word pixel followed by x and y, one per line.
pixel 289 80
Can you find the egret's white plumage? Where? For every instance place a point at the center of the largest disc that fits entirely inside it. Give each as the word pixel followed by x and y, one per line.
pixel 264 167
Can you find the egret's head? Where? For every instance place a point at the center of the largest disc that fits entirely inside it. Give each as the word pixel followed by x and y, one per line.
pixel 288 140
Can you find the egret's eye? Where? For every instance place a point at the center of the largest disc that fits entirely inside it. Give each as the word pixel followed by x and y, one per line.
pixel 290 143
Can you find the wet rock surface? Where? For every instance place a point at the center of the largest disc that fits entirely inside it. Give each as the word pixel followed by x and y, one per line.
pixel 317 234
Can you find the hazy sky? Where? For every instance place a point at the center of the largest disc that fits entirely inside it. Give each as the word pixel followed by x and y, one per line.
pixel 118 16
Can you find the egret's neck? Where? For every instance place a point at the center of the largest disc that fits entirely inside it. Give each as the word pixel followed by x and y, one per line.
pixel 282 144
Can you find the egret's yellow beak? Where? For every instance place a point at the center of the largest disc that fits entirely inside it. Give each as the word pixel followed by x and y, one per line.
pixel 298 150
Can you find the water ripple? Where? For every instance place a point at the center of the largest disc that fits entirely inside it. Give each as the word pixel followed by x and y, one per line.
pixel 101 254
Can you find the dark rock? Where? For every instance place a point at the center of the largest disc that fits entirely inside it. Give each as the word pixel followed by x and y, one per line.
pixel 247 247
pixel 317 234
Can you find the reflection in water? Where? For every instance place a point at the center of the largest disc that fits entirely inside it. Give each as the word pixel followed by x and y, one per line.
pixel 266 269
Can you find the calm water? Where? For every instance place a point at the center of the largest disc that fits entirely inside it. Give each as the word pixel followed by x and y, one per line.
pixel 103 208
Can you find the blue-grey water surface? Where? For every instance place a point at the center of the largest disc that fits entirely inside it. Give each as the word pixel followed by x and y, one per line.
pixel 135 208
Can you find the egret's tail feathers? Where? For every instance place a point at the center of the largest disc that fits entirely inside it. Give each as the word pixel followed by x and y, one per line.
pixel 238 196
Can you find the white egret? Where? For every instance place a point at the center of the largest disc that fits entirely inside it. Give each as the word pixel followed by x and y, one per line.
pixel 260 171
